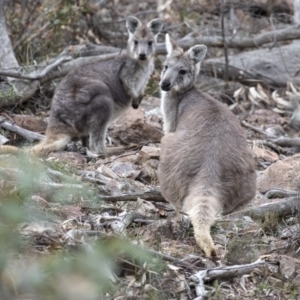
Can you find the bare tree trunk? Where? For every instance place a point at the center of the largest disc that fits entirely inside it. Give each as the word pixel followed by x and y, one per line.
pixel 12 90
pixel 7 56
pixel 297 12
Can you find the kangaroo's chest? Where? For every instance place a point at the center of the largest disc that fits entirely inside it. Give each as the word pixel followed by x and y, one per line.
pixel 169 110
pixel 141 77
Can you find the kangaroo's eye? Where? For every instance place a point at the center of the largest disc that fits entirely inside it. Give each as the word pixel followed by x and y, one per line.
pixel 165 67
pixel 150 43
pixel 182 72
pixel 136 42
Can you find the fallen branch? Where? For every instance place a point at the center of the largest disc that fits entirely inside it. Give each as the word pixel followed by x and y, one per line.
pixel 287 142
pixel 228 271
pixel 27 134
pixel 280 193
pixel 151 195
pixel 36 75
pixel 282 208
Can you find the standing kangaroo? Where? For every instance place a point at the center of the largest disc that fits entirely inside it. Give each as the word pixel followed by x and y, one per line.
pixel 205 164
pixel 91 96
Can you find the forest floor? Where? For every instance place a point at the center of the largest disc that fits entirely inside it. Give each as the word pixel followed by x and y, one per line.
pixel 72 201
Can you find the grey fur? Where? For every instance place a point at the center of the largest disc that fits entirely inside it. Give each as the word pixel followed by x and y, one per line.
pixel 91 96
pixel 205 164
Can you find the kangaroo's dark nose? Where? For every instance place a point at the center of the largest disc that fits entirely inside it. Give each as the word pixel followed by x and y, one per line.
pixel 135 105
pixel 142 56
pixel 165 85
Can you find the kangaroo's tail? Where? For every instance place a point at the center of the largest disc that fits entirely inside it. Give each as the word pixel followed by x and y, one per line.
pixel 202 211
pixel 7 149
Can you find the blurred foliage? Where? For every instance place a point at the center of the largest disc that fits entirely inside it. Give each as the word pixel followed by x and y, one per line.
pixel 85 269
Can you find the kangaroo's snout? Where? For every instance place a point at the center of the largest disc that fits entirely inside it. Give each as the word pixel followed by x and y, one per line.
pixel 142 56
pixel 135 105
pixel 165 85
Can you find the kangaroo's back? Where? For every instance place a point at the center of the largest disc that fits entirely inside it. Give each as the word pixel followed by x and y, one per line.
pixel 209 149
pixel 205 164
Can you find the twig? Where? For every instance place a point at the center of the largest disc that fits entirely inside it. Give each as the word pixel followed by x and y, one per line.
pixel 247 125
pixel 122 155
pixel 271 145
pixel 170 258
pixel 152 195
pixel 27 134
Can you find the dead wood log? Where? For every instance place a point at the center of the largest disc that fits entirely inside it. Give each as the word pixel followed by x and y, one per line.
pixel 237 41
pixel 271 67
pixel 151 195
pixel 224 273
pixel 287 142
pixel 281 208
pixel 27 134
pixel 280 193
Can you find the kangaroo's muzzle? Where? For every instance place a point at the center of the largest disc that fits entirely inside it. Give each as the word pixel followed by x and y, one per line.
pixel 165 85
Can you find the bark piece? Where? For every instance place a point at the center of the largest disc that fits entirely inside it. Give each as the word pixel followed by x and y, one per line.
pixel 30 123
pixel 135 127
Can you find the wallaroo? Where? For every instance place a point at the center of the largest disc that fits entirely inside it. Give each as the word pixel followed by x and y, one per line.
pixel 205 166
pixel 91 96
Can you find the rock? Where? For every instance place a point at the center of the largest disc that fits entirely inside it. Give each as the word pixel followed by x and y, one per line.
pixel 265 154
pixel 30 123
pixel 122 186
pixel 125 170
pixel 296 283
pixel 288 266
pixel 148 174
pixel 146 153
pixel 135 127
pixel 276 131
pixel 283 174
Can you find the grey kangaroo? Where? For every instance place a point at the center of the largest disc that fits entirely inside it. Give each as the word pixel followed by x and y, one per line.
pixel 205 164
pixel 91 96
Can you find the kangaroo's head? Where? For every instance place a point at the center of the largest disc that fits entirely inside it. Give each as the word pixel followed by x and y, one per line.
pixel 181 68
pixel 142 38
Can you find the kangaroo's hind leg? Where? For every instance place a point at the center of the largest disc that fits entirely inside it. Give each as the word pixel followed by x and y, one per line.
pixel 98 126
pixel 52 142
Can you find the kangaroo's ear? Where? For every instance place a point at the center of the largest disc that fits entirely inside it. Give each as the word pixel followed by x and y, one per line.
pixel 156 26
pixel 132 24
pixel 197 53
pixel 170 45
